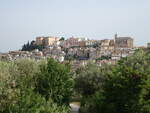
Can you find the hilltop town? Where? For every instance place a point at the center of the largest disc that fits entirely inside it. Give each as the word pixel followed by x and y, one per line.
pixel 78 51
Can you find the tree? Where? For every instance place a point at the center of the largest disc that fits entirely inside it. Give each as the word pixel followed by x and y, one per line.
pixel 27 70
pixel 54 81
pixel 8 90
pixel 17 89
pixel 31 102
pixel 128 88
pixel 62 39
pixel 32 46
pixel 90 79
pixel 104 57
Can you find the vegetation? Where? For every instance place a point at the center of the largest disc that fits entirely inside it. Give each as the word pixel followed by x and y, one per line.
pixel 55 81
pixel 8 89
pixel 125 89
pixel 31 102
pixel 28 86
pixel 71 57
pixel 32 46
pixel 104 58
pixel 90 78
pixel 62 39
pixel 19 92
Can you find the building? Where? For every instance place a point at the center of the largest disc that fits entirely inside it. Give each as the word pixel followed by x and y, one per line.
pixel 39 40
pixel 82 43
pixel 71 42
pixel 107 45
pixel 123 42
pixel 46 41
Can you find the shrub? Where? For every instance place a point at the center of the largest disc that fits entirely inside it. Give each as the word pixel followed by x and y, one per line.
pixel 17 88
pixel 31 102
pixel 54 81
pixel 127 90
pixel 8 90
pixel 27 70
pixel 91 78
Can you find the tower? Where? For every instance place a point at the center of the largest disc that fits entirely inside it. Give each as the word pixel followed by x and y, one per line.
pixel 116 35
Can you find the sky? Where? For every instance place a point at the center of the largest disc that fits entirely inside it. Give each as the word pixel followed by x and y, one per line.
pixel 24 20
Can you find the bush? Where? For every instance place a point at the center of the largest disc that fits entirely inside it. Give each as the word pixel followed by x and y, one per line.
pixel 17 88
pixel 8 90
pixel 55 81
pixel 27 70
pixel 91 78
pixel 128 88
pixel 31 102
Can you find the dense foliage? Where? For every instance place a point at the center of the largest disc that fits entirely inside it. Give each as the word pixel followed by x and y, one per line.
pixel 8 90
pixel 28 86
pixel 126 88
pixel 104 57
pixel 90 78
pixel 31 102
pixel 62 39
pixel 18 91
pixel 55 81
pixel 32 46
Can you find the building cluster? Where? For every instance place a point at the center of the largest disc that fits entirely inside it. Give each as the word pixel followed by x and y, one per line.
pixel 79 51
pixel 14 55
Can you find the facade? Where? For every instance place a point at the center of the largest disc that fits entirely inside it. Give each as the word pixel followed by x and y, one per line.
pixel 39 40
pixel 89 43
pixel 107 45
pixel 71 42
pixel 123 42
pixel 74 42
pixel 46 41
pixel 82 43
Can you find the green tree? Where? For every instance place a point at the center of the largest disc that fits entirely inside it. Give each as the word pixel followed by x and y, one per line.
pixel 32 46
pixel 17 89
pixel 8 89
pixel 89 79
pixel 128 88
pixel 55 81
pixel 27 70
pixel 62 39
pixel 31 102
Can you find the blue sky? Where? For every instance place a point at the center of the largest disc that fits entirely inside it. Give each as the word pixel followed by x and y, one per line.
pixel 23 20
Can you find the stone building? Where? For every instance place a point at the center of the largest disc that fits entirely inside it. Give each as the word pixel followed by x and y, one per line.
pixel 123 42
pixel 107 45
pixel 71 42
pixel 82 43
pixel 46 41
pixel 39 40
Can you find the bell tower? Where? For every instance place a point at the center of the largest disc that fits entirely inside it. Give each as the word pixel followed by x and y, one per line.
pixel 116 35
